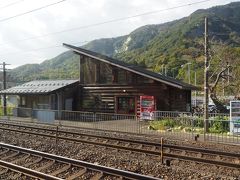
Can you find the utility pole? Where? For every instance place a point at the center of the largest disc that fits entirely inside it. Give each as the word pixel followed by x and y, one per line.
pixel 189 73
pixel 4 87
pixel 173 73
pixel 195 83
pixel 223 88
pixel 206 85
pixel 228 73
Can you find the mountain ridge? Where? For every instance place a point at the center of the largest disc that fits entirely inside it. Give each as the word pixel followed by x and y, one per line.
pixel 153 46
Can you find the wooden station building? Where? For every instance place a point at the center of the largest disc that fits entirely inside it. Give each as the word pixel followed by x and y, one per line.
pixel 110 85
pixel 105 85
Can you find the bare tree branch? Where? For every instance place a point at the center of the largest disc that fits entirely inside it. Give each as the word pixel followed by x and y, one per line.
pixel 213 87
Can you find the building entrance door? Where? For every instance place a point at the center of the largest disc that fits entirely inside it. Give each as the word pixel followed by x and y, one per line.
pixel 126 105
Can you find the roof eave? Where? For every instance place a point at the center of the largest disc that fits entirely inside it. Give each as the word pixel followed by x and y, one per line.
pixel 41 93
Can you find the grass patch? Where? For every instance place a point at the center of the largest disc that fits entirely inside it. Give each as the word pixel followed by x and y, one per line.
pixel 9 111
pixel 218 125
pixel 162 124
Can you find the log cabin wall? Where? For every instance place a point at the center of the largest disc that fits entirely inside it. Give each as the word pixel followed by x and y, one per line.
pixel 104 85
pixel 104 98
pixel 181 99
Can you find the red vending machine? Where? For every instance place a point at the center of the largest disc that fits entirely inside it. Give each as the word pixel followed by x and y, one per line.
pixel 147 106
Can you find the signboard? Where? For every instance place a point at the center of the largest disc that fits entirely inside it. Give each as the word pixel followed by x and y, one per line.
pixel 147 106
pixel 235 117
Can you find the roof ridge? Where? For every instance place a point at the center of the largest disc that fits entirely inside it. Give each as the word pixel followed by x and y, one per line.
pixel 139 70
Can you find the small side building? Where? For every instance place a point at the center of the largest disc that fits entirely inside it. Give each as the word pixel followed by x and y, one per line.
pixel 47 94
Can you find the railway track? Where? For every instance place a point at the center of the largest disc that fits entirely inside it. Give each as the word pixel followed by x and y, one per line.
pixel 186 153
pixel 31 164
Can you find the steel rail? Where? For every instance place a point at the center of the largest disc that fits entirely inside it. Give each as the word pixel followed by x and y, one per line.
pixel 79 163
pixel 27 171
pixel 85 141
pixel 177 147
pixel 169 155
pixel 151 152
pixel 202 160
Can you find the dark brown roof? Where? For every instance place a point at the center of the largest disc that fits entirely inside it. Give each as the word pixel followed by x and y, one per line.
pixel 133 68
pixel 39 87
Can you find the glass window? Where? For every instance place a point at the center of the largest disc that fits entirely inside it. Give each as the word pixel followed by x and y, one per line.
pixel 126 105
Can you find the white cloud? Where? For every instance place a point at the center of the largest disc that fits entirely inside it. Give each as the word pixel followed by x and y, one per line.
pixel 76 13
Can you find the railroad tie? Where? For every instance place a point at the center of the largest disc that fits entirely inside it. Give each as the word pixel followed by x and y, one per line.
pixel 7 150
pixel 4 171
pixel 127 145
pixel 78 174
pixel 17 176
pixel 120 178
pixel 116 143
pixel 183 153
pixel 199 155
pixel 140 146
pixel 97 176
pixel 105 141
pixel 59 171
pixel 237 161
pixel 167 150
pixel 46 166
pixel 10 156
pixel 94 139
pixel 21 159
pixel 153 148
pixel 218 158
pixel 34 162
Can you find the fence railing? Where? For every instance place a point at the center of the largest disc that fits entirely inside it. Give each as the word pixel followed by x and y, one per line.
pixel 8 109
pixel 169 114
pixel 172 124
pixel 104 121
pixel 174 114
pixel 189 125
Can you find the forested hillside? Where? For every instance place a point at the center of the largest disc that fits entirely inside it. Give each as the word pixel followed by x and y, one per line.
pixel 163 48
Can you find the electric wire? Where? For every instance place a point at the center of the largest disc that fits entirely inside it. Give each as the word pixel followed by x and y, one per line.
pixel 10 4
pixel 37 9
pixel 43 48
pixel 90 25
pixel 104 22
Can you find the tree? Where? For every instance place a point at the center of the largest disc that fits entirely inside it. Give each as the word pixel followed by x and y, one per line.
pixel 225 62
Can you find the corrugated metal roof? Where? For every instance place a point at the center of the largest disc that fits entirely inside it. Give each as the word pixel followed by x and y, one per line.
pixel 39 87
pixel 138 70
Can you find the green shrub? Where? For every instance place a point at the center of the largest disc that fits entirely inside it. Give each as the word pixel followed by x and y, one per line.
pixel 219 125
pixel 162 124
pixel 216 125
pixel 199 122
pixel 9 111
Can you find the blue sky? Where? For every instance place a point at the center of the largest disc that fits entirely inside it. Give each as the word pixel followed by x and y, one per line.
pixel 40 27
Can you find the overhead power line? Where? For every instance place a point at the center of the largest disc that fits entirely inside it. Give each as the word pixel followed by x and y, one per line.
pixel 10 4
pixel 37 9
pixel 105 22
pixel 87 26
pixel 42 48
